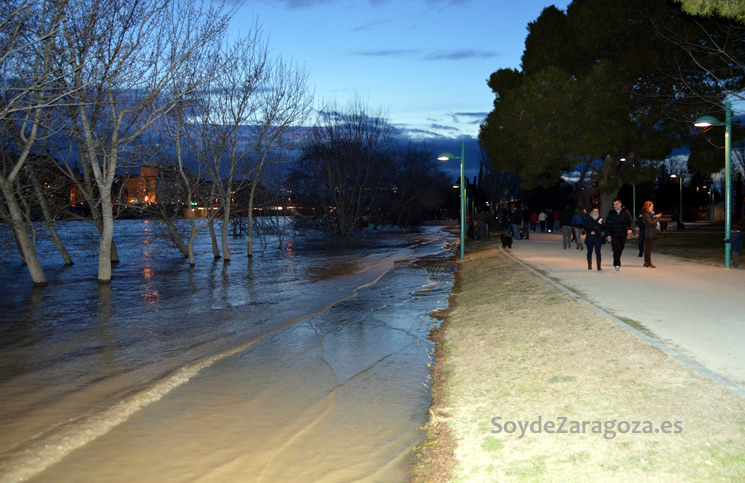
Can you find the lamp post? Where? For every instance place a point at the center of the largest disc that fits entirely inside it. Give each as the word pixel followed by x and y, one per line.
pixel 680 209
pixel 708 121
pixel 462 158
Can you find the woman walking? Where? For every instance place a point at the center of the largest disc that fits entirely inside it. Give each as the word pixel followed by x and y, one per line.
pixel 650 231
pixel 594 238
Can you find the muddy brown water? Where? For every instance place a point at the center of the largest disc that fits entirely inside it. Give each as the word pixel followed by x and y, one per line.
pixel 306 364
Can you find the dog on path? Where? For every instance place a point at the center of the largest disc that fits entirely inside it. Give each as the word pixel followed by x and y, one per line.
pixel 506 240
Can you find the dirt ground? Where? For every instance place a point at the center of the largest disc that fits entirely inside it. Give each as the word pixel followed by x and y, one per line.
pixel 531 385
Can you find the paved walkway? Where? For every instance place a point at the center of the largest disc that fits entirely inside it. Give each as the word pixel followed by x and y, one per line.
pixel 694 308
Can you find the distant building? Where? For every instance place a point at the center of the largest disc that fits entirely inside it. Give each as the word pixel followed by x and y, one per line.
pixel 140 189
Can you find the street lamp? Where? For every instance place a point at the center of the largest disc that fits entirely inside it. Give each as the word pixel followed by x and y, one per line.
pixel 462 158
pixel 680 212
pixel 708 121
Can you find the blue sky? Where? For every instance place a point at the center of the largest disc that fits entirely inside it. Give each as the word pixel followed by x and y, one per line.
pixel 424 63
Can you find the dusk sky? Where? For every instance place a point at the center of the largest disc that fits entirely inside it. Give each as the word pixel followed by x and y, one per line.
pixel 424 63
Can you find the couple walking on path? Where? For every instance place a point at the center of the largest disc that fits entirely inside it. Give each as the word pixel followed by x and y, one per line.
pixel 615 229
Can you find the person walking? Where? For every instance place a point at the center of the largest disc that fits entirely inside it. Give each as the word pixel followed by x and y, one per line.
pixel 578 223
pixel 594 237
pixel 565 220
pixel 618 225
pixel 526 223
pixel 515 220
pixel 650 228
pixel 542 221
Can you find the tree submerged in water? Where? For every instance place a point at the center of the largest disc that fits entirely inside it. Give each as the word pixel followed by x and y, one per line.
pixel 353 173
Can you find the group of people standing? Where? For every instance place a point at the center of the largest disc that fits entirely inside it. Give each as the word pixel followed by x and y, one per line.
pixel 521 223
pixel 614 229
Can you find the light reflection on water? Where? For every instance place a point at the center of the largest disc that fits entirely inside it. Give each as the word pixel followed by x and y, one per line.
pixel 349 369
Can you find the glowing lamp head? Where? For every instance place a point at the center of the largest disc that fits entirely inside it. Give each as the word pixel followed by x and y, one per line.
pixel 446 157
pixel 707 121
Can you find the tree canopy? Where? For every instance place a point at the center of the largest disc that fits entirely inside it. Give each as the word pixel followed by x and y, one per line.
pixel 598 83
pixel 725 8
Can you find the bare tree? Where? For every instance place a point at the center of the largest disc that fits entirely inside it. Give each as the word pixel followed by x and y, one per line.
pixel 414 185
pixel 41 195
pixel 248 114
pixel 29 69
pixel 343 165
pixel 122 58
pixel 179 187
pixel 283 107
pixel 227 105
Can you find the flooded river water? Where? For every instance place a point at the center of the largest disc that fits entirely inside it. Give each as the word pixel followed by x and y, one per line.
pixel 305 364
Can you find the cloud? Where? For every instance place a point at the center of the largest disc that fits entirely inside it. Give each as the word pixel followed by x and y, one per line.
pixel 479 115
pixel 388 53
pixel 404 131
pixel 476 117
pixel 462 54
pixel 442 127
pixel 369 26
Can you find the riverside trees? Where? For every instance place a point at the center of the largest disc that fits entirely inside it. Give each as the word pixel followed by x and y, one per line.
pixel 344 164
pixel 239 121
pixel 92 84
pixel 94 87
pixel 353 172
pixel 31 78
pixel 90 77
pixel 595 87
pixel 129 54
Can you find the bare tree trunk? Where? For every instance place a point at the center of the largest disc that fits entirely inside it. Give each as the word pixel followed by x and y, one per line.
pixel 107 236
pixel 224 228
pixel 190 252
pixel 48 219
pixel 250 229
pixel 211 224
pixel 18 225
pixel 19 246
pixel 213 237
pixel 608 184
pixel 176 237
pixel 250 246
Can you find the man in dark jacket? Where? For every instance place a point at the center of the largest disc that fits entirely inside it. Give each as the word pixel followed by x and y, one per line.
pixel 618 226
pixel 515 220
pixel 526 223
